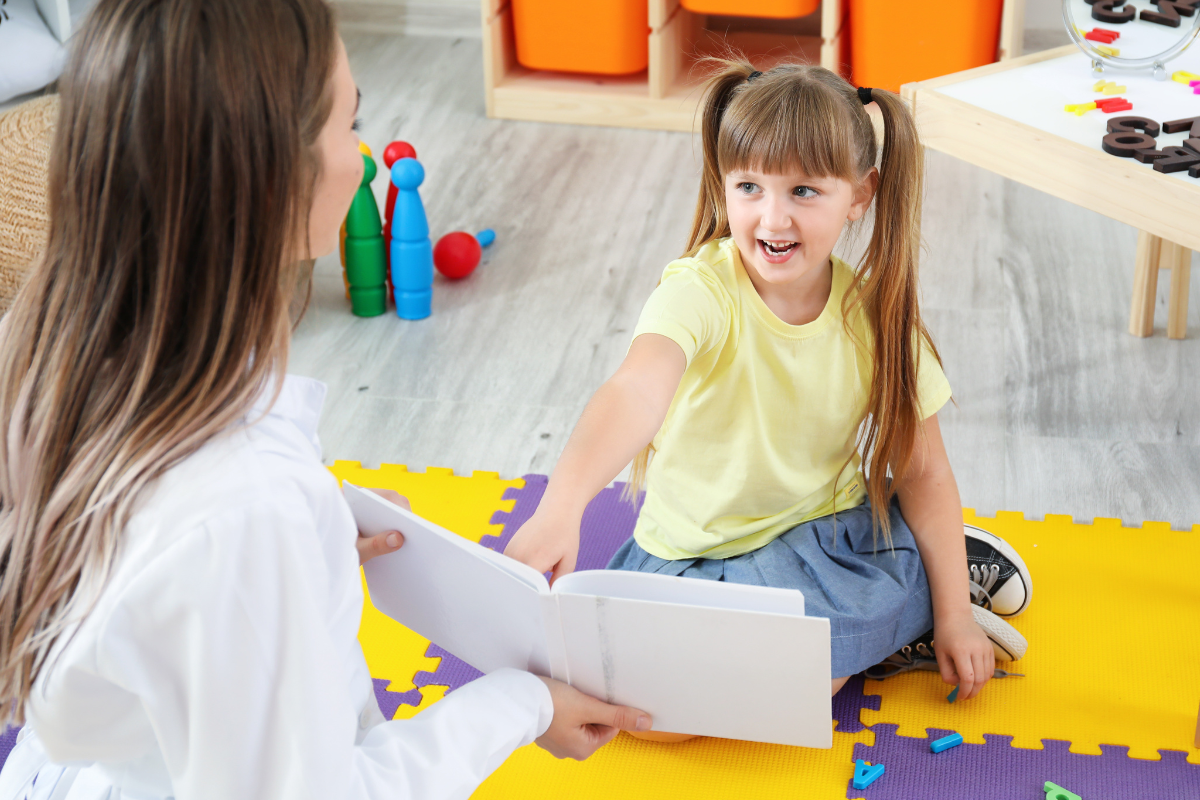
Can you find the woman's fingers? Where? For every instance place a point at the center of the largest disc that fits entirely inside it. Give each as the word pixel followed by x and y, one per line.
pixel 622 718
pixel 392 496
pixel 373 546
pixel 387 542
pixel 582 724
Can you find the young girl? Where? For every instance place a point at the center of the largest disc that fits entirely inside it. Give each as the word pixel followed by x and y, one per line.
pixel 764 371
pixel 180 591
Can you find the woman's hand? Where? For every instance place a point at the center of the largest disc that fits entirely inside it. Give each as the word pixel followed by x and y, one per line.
pixel 582 724
pixel 547 544
pixel 965 654
pixel 387 542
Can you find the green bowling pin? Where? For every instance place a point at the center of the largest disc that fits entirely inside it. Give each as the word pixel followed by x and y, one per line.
pixel 366 256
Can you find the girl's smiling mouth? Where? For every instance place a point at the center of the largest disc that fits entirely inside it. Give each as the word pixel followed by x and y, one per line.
pixel 776 251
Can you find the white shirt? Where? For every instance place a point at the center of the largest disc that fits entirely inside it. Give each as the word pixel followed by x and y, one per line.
pixel 222 661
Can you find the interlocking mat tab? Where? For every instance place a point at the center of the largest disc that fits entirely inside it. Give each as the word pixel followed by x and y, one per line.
pixel 407 664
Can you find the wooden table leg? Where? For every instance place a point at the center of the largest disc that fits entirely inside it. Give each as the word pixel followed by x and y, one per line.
pixel 1198 731
pixel 1153 254
pixel 1145 284
pixel 1177 306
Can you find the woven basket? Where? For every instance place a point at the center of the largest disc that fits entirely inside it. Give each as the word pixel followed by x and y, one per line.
pixel 25 138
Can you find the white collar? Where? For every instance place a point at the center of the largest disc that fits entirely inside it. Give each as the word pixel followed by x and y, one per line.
pixel 299 402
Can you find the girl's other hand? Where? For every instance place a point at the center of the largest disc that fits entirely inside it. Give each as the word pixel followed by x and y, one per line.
pixel 547 545
pixel 582 724
pixel 965 654
pixel 387 542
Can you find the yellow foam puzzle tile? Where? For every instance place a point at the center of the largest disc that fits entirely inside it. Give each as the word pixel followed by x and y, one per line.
pixel 699 769
pixel 1113 652
pixel 460 503
pixel 393 652
pixel 463 504
pixel 429 696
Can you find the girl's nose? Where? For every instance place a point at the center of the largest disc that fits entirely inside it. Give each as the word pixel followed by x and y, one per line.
pixel 776 217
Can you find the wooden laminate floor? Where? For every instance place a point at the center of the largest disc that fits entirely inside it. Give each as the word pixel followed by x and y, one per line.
pixel 1058 410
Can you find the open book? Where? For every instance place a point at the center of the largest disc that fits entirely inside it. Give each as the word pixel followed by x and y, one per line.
pixel 702 657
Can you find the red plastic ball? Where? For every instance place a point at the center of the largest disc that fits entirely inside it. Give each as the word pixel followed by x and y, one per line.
pixel 457 254
pixel 396 151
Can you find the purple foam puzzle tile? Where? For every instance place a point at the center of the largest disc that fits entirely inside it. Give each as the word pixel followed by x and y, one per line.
pixel 607 522
pixel 851 700
pixel 527 499
pixel 390 701
pixel 999 771
pixel 7 742
pixel 452 672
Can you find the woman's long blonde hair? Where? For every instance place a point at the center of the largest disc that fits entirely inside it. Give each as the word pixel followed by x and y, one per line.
pixel 181 180
pixel 804 117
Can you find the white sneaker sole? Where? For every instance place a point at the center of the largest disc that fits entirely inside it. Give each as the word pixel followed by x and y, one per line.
pixel 1008 552
pixel 1007 641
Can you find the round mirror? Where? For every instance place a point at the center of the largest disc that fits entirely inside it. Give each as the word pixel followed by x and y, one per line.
pixel 1132 34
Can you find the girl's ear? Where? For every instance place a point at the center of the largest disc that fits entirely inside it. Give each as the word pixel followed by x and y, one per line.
pixel 864 193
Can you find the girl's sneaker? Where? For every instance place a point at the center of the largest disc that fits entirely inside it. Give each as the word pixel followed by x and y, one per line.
pixel 1000 581
pixel 1007 642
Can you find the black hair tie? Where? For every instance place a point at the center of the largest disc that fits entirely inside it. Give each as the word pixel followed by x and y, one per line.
pixel 864 94
pixel 753 75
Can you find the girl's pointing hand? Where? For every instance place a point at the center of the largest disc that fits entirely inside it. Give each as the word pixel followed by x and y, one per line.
pixel 965 654
pixel 547 545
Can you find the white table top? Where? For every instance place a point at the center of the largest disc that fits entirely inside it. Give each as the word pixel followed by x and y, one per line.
pixel 1035 94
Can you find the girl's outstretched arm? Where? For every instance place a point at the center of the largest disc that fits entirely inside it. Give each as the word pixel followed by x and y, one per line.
pixel 622 417
pixel 930 504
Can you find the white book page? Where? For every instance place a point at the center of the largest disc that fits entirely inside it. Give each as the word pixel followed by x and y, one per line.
pixel 736 673
pixel 479 605
pixel 631 585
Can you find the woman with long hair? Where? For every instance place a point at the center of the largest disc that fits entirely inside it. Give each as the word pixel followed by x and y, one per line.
pixel 180 593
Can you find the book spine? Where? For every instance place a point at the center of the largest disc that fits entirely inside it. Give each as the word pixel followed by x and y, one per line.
pixel 556 647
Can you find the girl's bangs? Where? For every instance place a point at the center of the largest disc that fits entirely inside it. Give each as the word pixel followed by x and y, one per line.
pixel 786 129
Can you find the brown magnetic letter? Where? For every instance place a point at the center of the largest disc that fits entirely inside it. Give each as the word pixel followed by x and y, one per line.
pixel 1178 159
pixel 1106 11
pixel 1191 124
pixel 1143 124
pixel 1169 11
pixel 1125 144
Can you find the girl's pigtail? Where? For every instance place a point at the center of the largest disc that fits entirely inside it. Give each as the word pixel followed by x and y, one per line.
pixel 711 221
pixel 889 296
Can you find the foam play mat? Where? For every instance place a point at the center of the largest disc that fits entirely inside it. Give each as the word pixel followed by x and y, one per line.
pixel 1107 708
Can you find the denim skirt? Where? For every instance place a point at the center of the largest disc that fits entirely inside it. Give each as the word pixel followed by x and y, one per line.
pixel 876 601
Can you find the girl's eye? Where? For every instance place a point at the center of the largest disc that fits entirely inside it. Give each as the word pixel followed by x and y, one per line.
pixel 805 191
pixel 747 187
pixel 357 126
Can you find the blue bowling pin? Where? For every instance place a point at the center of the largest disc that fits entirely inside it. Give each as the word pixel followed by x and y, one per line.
pixel 412 252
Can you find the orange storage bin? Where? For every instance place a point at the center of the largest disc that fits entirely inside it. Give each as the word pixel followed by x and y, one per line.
pixel 774 9
pixel 606 37
pixel 895 43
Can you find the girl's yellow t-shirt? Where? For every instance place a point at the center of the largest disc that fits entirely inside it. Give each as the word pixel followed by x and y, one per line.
pixel 761 434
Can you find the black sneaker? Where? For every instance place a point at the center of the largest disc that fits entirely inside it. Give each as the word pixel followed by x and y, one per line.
pixel 1000 581
pixel 1007 642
